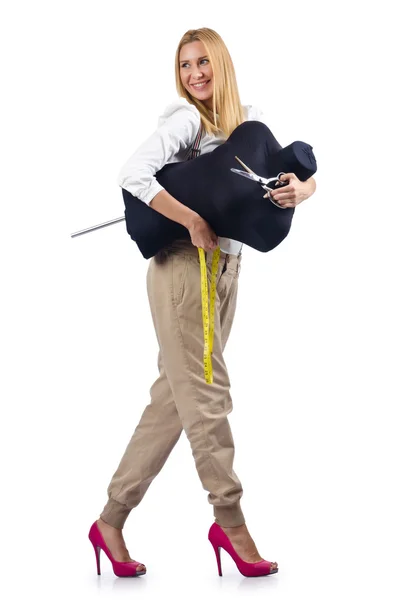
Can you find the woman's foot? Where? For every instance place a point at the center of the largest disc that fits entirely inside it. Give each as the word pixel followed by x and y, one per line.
pixel 244 545
pixel 115 542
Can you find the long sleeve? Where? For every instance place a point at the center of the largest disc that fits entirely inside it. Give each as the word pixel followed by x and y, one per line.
pixel 177 129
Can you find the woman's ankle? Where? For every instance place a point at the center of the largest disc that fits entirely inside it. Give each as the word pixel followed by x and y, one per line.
pixel 105 525
pixel 235 528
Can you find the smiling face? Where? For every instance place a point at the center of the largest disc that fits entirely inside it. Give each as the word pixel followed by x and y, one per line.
pixel 196 72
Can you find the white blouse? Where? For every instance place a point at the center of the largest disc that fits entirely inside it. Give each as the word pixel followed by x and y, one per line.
pixel 176 132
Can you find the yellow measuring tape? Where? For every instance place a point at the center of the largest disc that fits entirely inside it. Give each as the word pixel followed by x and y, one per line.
pixel 208 321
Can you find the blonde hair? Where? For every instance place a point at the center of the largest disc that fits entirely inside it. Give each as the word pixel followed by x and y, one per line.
pixel 226 98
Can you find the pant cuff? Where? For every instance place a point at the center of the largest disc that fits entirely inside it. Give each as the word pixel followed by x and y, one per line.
pixel 229 516
pixel 115 514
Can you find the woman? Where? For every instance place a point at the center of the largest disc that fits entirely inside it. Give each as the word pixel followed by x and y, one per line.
pixel 180 397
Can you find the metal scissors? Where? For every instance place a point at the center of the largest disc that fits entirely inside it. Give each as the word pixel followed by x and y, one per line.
pixel 249 173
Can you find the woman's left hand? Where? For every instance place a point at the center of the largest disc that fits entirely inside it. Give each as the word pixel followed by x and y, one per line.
pixel 295 192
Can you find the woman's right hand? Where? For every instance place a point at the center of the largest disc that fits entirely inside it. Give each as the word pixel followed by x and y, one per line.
pixel 202 235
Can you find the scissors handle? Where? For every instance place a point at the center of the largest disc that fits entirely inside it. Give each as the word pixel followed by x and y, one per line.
pixel 265 182
pixel 269 189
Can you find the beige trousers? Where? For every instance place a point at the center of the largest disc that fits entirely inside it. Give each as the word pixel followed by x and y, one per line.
pixel 180 397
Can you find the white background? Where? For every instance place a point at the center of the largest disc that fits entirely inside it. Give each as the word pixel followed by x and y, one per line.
pixel 312 353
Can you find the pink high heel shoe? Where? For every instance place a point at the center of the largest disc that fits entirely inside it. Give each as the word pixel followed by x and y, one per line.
pixel 219 539
pixel 121 569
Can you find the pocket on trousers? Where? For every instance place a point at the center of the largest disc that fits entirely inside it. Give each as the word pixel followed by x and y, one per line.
pixel 235 269
pixel 236 272
pixel 180 264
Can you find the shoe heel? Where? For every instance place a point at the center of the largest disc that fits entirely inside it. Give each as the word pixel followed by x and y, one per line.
pixel 98 558
pixel 218 556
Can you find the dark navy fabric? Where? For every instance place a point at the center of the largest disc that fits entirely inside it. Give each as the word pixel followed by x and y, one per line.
pixel 233 205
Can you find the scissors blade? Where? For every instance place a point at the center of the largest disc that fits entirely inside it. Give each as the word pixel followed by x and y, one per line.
pixel 245 174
